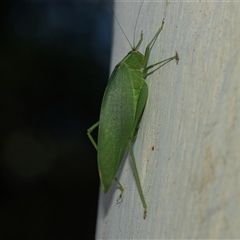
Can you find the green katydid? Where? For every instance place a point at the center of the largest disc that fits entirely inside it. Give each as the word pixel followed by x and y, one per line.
pixel 122 107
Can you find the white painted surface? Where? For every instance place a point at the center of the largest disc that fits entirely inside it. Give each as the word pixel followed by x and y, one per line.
pixel 191 179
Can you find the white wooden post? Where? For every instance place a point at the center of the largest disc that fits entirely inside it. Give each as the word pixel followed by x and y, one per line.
pixel 188 144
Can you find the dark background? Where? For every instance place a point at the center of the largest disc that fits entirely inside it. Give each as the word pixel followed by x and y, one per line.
pixel 54 61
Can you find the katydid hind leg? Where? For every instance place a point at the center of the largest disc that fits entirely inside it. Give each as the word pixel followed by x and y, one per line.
pixel 140 107
pixel 138 180
pixel 142 99
pixel 89 131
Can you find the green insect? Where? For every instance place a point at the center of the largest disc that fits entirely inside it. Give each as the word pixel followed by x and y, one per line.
pixel 122 107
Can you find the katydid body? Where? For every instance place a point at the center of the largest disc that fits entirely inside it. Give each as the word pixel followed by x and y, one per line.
pixel 121 110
